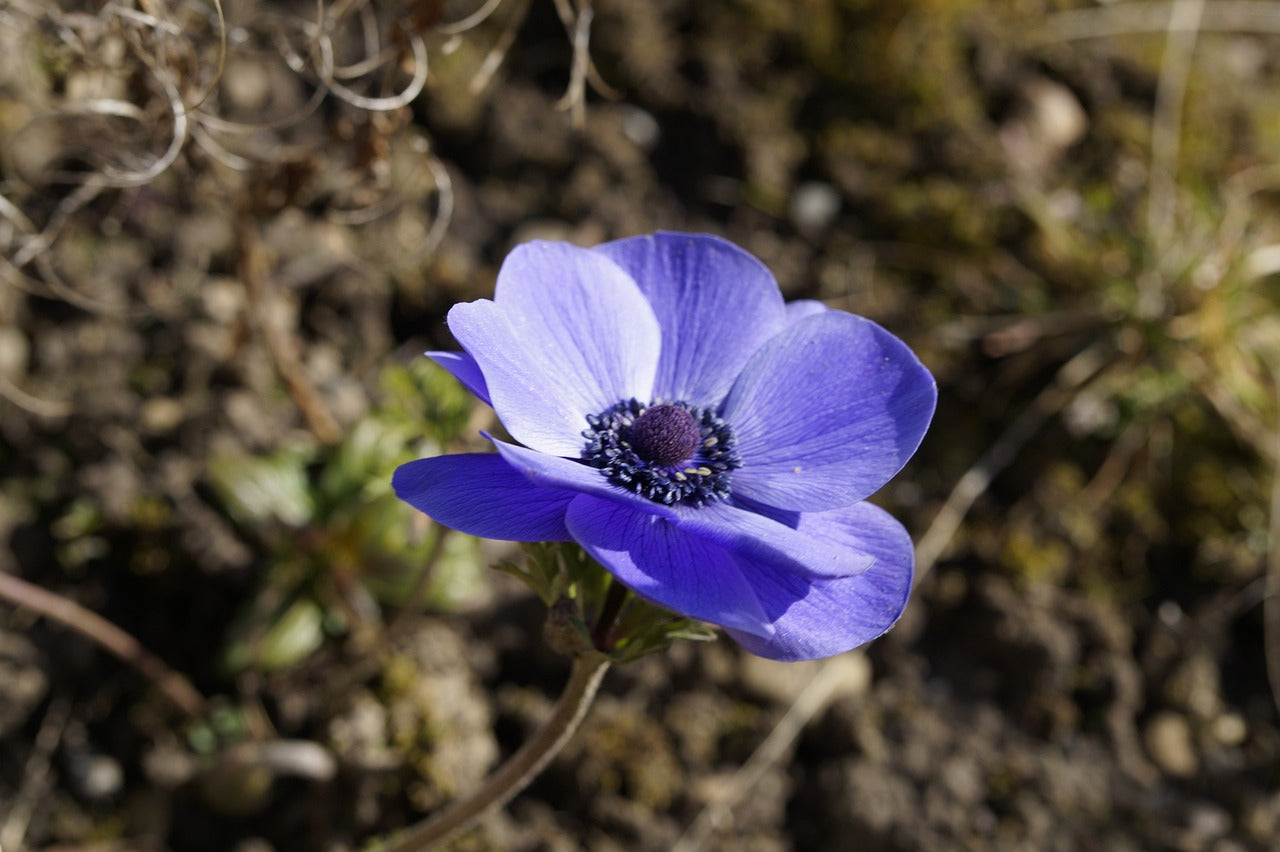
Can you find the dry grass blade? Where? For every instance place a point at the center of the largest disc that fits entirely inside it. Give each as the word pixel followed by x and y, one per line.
pixel 1221 16
pixel 475 19
pixel 35 773
pixel 1271 595
pixel 46 408
pixel 572 22
pixel 575 96
pixel 1166 126
pixel 494 58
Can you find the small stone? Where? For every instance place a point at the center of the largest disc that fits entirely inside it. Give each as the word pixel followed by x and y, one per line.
pixel 1169 742
pixel 246 84
pixel 1208 821
pixel 640 127
pixel 95 776
pixel 814 206
pixel 13 352
pixel 1230 729
pixel 161 415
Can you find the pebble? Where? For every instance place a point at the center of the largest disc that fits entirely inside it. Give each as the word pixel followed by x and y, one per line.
pixel 814 206
pixel 95 776
pixel 640 127
pixel 1230 729
pixel 13 352
pixel 160 415
pixel 1169 742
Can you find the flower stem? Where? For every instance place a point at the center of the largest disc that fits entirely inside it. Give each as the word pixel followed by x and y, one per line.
pixel 516 773
pixel 613 601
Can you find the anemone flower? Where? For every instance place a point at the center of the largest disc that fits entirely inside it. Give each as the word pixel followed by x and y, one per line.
pixel 709 445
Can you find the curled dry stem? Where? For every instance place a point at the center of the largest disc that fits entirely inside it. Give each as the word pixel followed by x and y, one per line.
pixel 584 680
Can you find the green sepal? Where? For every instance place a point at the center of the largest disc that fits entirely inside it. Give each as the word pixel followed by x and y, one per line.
pixel 588 611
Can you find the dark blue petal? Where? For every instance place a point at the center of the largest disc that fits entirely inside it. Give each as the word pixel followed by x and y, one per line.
pixel 480 494
pixel 814 618
pixel 827 412
pixel 657 561
pixel 567 475
pixel 716 305
pixel 465 369
pixel 568 334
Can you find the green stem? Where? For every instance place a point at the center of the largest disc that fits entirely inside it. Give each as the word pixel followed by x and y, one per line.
pixel 613 601
pixel 516 773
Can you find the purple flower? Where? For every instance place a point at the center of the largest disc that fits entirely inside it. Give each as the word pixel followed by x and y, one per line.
pixel 707 444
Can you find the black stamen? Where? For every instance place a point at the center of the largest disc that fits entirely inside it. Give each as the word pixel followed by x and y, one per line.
pixel 668 452
pixel 665 434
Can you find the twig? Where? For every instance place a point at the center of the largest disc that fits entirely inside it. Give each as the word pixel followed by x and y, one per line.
pixel 35 773
pixel 816 695
pixel 975 481
pixel 515 774
pixel 70 614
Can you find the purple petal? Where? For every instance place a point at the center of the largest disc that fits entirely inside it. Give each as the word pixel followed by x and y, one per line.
pixel 801 308
pixel 739 530
pixel 658 561
pixel 480 494
pixel 827 412
pixel 762 539
pixel 716 305
pixel 568 334
pixel 465 369
pixel 824 617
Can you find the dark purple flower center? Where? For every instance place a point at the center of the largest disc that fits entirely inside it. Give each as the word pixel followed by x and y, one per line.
pixel 669 452
pixel 665 434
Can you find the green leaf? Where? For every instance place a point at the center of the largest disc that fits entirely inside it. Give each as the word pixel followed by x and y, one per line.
pixel 265 489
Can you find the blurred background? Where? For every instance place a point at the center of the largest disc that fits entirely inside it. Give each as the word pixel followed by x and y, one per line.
pixel 228 232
